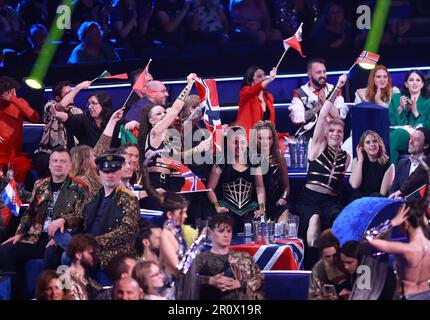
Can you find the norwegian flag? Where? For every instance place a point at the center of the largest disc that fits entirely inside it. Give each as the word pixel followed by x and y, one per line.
pixel 368 58
pixel 208 95
pixel 192 182
pixel 144 77
pixel 11 198
pixel 294 41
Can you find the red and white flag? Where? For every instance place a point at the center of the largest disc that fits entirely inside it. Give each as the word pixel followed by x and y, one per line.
pixel 295 41
pixel 368 58
pixel 144 77
pixel 209 101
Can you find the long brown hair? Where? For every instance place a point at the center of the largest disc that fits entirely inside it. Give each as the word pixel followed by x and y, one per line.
pixel 42 283
pixel 261 125
pixel 81 167
pixel 371 87
pixel 382 156
pixel 145 128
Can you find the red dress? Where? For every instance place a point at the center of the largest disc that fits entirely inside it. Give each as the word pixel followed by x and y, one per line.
pixel 250 111
pixel 12 117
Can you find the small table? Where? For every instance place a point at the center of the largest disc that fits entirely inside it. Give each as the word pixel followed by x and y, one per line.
pixel 286 254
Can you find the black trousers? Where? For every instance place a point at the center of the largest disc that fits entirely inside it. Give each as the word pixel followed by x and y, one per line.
pixel 13 258
pixel 311 202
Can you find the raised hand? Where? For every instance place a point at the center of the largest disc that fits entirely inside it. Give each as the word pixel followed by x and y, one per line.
pixel 191 78
pixel 360 155
pixel 342 80
pixel 273 73
pixel 401 216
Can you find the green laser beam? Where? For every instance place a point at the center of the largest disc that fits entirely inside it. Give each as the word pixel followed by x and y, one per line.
pixel 50 46
pixel 378 25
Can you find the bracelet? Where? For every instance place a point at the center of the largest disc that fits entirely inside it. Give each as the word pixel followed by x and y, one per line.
pixel 216 204
pixel 285 195
pixel 333 94
pixel 262 206
pixel 185 92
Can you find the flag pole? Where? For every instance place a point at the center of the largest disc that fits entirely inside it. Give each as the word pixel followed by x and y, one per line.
pixel 131 91
pixel 351 68
pixel 128 97
pixel 282 57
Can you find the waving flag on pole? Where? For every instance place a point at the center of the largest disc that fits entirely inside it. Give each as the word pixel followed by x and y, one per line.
pixel 295 41
pixel 11 198
pixel 367 59
pixel 144 77
pixel 192 182
pixel 208 95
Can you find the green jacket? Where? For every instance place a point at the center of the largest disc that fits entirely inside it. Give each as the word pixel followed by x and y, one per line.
pixel 396 119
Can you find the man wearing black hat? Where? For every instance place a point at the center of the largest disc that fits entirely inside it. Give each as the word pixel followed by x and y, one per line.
pixel 112 216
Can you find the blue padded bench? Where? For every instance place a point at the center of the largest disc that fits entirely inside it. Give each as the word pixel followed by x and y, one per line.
pixel 286 285
pixel 5 287
pixel 33 268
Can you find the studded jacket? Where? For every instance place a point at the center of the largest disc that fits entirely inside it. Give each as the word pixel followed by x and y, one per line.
pixel 68 206
pixel 118 226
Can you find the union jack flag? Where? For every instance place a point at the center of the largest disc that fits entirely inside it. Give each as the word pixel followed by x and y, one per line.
pixel 368 58
pixel 208 95
pixel 192 182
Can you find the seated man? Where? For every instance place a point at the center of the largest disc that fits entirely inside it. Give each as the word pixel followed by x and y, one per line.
pixel 127 289
pixel 225 274
pixel 13 112
pixel 112 216
pixel 56 204
pixel 309 99
pixel 328 272
pixel 81 249
pixel 148 243
pixel 419 148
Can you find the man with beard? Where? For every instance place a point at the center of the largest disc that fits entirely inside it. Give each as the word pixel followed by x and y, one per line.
pixel 82 250
pixel 148 243
pixel 309 99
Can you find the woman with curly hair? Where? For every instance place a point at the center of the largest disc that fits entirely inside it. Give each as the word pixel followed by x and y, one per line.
pixel 372 172
pixel 276 175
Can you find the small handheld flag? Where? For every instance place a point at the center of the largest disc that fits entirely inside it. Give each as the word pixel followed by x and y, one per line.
pixel 105 74
pixel 366 60
pixel 293 42
pixel 11 198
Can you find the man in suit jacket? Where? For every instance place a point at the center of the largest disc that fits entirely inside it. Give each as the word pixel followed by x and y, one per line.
pixel 112 216
pixel 419 145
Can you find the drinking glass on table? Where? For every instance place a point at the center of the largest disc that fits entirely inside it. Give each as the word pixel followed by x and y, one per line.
pixel 293 226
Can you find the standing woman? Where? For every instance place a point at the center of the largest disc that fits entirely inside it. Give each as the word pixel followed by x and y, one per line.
pixel 88 127
pixel 372 172
pixel 255 103
pixel 379 88
pixel 276 176
pixel 237 189
pixel 410 108
pixel 153 138
pixel 413 257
